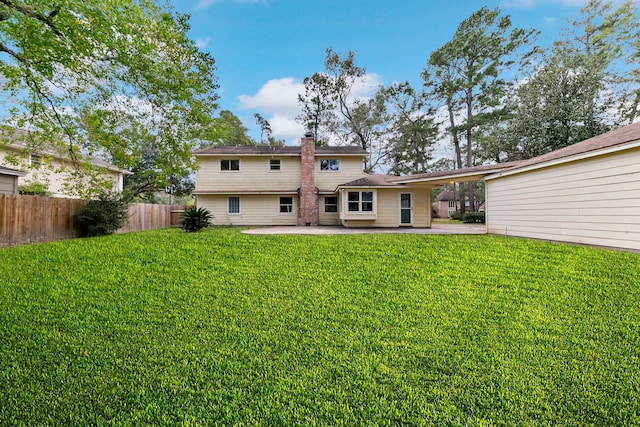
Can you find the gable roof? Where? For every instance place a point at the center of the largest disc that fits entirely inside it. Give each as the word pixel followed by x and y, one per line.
pixel 287 150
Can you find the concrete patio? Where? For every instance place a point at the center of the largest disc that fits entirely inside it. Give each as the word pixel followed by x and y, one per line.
pixel 321 229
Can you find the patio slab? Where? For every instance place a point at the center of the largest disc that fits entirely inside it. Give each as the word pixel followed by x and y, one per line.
pixel 323 229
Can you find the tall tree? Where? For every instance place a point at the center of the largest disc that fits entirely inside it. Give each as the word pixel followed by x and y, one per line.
pixel 227 129
pixel 574 94
pixel 413 130
pixel 95 77
pixel 330 103
pixel 470 72
pixel 265 127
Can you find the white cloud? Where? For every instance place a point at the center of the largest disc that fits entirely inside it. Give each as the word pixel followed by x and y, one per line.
pixel 277 100
pixel 278 96
pixel 202 43
pixel 204 4
pixel 285 128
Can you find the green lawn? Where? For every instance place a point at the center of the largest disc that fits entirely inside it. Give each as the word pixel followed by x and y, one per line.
pixel 221 328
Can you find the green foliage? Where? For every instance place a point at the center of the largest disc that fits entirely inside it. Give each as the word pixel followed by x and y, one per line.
pixel 104 215
pixel 456 215
pixel 222 328
pixel 474 217
pixel 226 130
pixel 35 188
pixel 104 78
pixel 195 219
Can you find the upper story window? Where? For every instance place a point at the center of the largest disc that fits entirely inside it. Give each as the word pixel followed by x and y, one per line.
pixel 274 164
pixel 230 165
pixel 329 164
pixel 360 201
pixel 36 161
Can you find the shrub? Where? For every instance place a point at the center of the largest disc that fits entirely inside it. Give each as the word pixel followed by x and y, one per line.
pixel 474 217
pixel 195 219
pixel 455 215
pixel 35 189
pixel 103 215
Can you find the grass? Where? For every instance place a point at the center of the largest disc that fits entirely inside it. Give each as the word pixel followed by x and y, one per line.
pixel 221 328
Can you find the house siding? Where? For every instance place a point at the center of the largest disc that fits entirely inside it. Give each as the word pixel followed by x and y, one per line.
pixel 350 169
pixel 254 174
pixel 591 201
pixel 255 209
pixel 327 218
pixel 54 173
pixel 8 184
pixel 388 208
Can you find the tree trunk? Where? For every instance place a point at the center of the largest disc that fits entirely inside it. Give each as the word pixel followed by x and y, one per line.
pixel 470 195
pixel 456 146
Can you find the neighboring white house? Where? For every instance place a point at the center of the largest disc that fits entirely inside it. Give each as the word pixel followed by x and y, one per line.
pixel 9 180
pixel 304 185
pixel 53 170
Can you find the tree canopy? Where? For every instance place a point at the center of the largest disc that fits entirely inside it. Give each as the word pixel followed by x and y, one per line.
pixel 106 78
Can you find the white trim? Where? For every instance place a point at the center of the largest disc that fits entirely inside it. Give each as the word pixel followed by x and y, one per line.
pixel 568 159
pixel 400 223
pixel 229 205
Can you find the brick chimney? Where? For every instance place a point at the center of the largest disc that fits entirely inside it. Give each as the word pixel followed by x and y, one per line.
pixel 308 192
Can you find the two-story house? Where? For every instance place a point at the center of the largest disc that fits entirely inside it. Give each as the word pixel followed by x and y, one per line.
pixel 53 171
pixel 304 185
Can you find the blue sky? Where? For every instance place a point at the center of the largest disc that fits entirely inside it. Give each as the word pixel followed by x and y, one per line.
pixel 265 48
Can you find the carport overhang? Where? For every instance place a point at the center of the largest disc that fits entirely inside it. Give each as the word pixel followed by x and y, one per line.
pixel 436 179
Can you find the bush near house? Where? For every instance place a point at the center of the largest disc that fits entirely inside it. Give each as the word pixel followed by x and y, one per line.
pixel 103 215
pixel 222 328
pixel 195 219
pixel 474 217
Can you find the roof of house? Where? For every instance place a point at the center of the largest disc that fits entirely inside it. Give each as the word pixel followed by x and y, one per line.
pixel 287 150
pixel 447 195
pixel 375 180
pixel 9 171
pixel 612 138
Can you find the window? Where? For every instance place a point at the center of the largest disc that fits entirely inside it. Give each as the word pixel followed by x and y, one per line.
pixel 274 164
pixel 451 207
pixel 234 205
pixel 331 204
pixel 36 161
pixel 329 164
pixel 360 201
pixel 286 204
pixel 230 165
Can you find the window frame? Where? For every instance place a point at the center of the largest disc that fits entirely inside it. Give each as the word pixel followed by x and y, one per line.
pixel 358 203
pixel 230 163
pixel 229 205
pixel 288 206
pixel 329 165
pixel 331 205
pixel 272 163
pixel 35 161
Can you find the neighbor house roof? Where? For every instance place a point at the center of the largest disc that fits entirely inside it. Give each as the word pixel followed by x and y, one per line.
pixel 267 150
pixel 12 172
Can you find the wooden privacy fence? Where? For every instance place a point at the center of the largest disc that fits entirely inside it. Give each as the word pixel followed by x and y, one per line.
pixel 28 219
